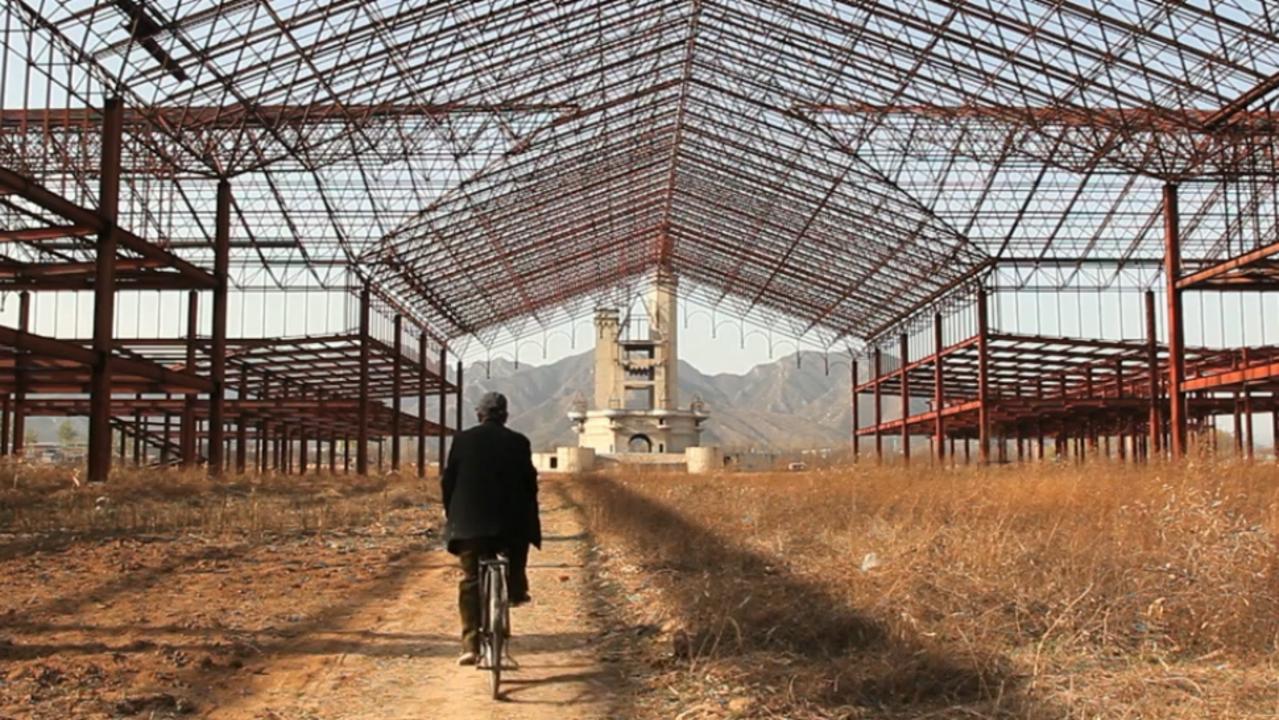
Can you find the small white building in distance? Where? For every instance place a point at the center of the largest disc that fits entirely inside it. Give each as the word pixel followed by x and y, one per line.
pixel 636 406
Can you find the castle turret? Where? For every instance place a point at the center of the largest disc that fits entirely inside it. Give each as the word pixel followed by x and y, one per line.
pixel 636 399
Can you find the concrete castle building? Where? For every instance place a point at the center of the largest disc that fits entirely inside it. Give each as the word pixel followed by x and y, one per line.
pixel 636 406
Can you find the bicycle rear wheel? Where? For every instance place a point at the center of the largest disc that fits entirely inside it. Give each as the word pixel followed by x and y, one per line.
pixel 497 626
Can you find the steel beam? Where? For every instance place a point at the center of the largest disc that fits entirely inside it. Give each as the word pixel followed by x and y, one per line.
pixel 187 439
pixel 444 365
pixel 397 376
pixel 137 438
pixel 303 441
pixel 17 184
pixel 1249 446
pixel 20 392
pixel 939 392
pixel 362 437
pixel 217 361
pixel 421 405
pixel 263 440
pixel 99 459
pixel 241 425
pixel 1176 330
pixel 877 364
pixel 983 377
pixel 1237 416
pixel 905 397
pixel 458 409
pixel 857 441
pixel 1152 375
pixel 1205 277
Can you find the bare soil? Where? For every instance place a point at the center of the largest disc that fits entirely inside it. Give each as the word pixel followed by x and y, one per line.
pixel 1010 593
pixel 348 622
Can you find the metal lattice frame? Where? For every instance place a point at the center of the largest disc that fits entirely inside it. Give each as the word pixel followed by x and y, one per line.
pixel 844 163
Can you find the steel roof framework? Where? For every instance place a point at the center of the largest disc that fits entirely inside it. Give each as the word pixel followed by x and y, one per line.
pixel 844 163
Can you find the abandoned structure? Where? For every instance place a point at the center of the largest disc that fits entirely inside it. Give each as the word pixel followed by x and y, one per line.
pixel 896 180
pixel 636 401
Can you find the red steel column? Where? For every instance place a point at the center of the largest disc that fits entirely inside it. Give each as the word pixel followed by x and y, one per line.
pixel 137 435
pixel 877 368
pixel 263 443
pixel 905 391
pixel 1090 426
pixel 983 377
pixel 217 350
pixel 186 438
pixel 857 441
pixel 421 404
pixel 241 424
pixel 303 440
pixel 362 433
pixel 104 294
pixel 1152 369
pixel 1236 407
pixel 939 394
pixel 166 453
pixel 1176 331
pixel 458 409
pixel 282 433
pixel 1249 447
pixel 397 376
pixel 20 394
pixel 444 365
pixel 1119 393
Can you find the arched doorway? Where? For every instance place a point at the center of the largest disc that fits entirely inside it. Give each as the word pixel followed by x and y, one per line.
pixel 639 444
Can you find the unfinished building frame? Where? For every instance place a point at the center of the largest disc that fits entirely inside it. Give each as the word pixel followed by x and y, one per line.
pixel 867 171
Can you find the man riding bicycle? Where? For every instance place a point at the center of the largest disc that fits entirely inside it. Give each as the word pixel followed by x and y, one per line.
pixel 490 500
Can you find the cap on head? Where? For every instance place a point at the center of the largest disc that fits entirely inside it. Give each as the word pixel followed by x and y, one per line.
pixel 492 406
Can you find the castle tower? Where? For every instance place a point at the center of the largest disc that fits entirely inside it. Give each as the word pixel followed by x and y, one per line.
pixel 636 400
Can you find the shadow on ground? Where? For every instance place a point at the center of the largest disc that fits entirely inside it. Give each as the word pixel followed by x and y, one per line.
pixel 775 628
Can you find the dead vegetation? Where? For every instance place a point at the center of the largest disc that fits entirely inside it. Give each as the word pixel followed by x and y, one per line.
pixel 163 594
pixel 49 501
pixel 1037 592
pixel 1027 592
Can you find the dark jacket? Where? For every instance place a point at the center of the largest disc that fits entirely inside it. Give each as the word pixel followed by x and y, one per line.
pixel 490 487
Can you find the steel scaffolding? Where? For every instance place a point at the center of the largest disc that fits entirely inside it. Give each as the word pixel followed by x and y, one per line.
pixel 465 168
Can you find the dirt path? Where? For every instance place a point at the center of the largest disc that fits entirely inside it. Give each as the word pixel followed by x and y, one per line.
pixel 394 657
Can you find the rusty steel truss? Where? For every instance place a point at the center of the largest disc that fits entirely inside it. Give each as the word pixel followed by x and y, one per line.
pixel 1005 391
pixel 493 166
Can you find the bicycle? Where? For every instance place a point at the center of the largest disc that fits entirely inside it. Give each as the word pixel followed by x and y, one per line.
pixel 495 617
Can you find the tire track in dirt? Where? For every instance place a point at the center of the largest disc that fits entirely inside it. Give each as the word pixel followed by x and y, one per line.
pixel 394 657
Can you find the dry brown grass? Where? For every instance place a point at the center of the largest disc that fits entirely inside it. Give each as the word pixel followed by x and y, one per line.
pixel 1030 592
pixel 47 500
pixel 163 594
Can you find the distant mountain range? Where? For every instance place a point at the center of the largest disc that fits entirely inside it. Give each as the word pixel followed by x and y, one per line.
pixel 790 403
